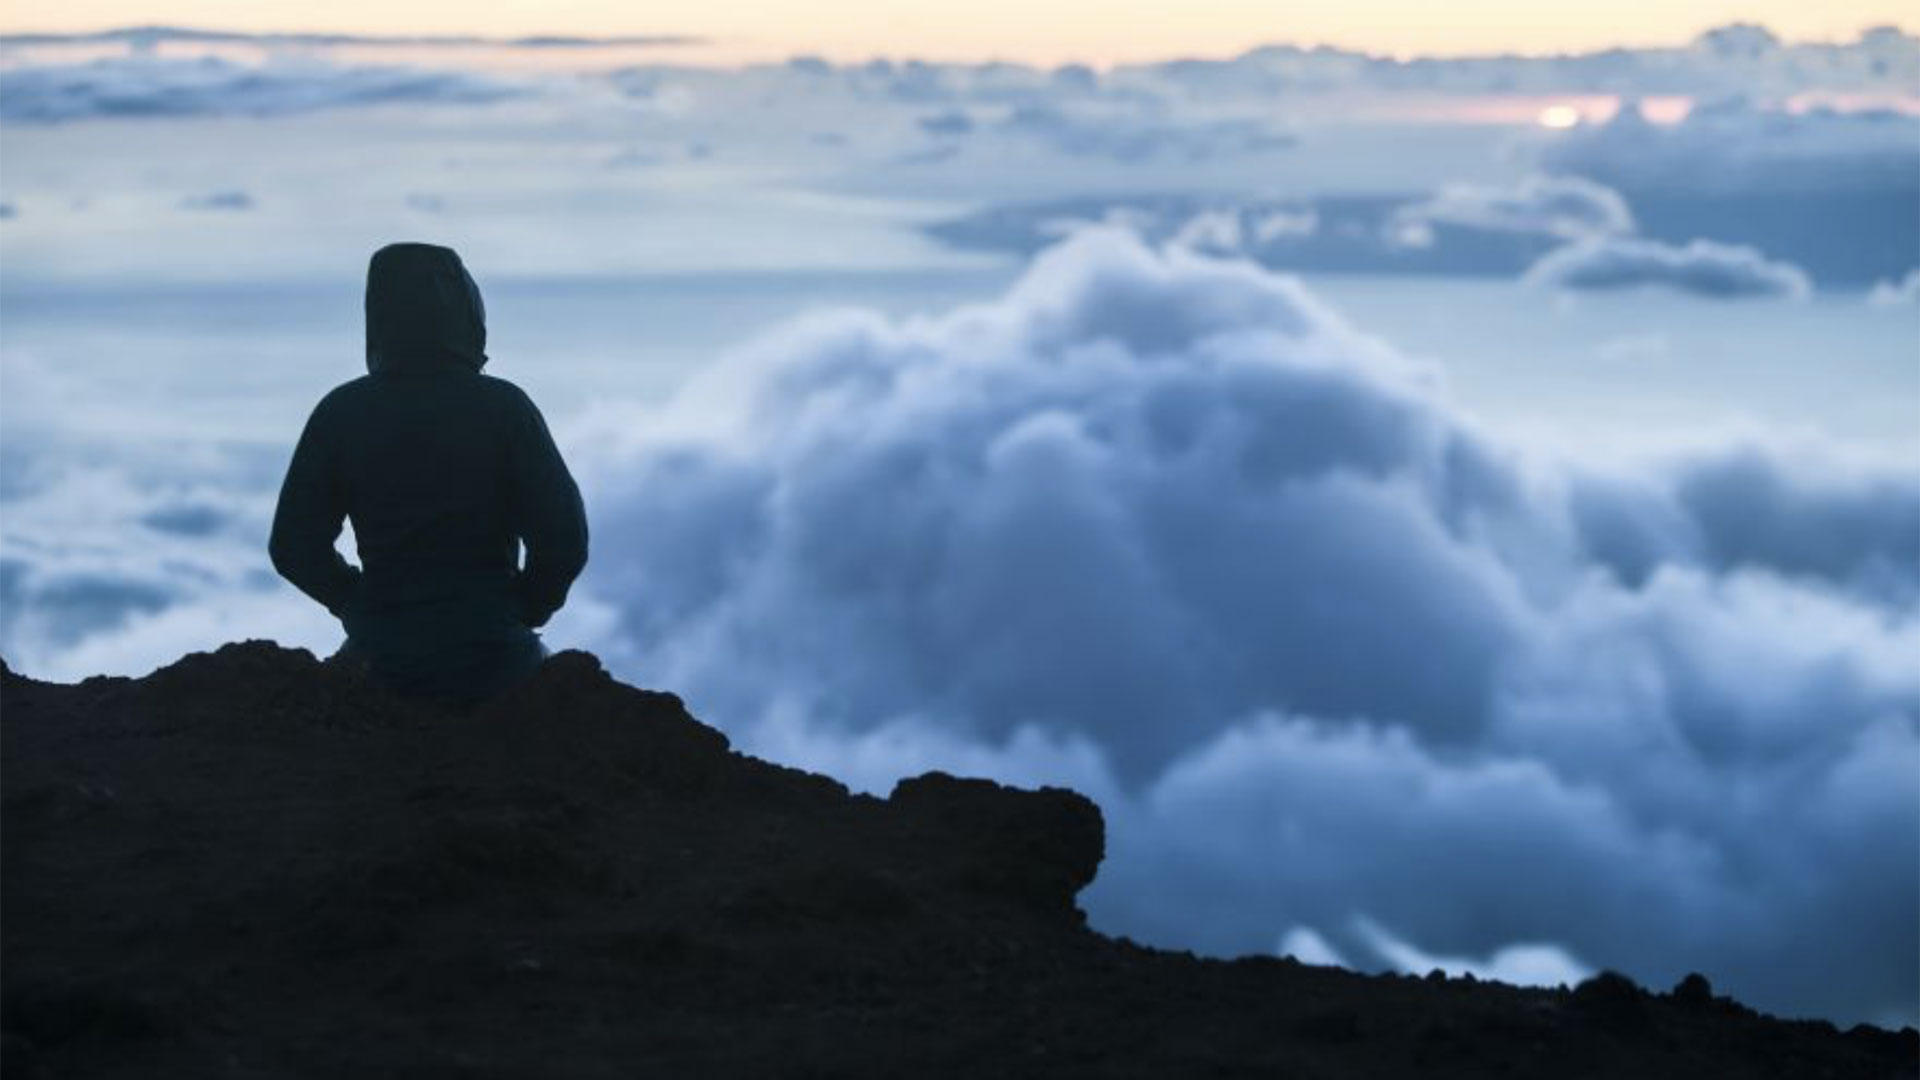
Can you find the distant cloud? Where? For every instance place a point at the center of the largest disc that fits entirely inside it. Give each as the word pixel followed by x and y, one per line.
pixel 1465 230
pixel 1735 146
pixel 1730 60
pixel 1559 206
pixel 951 122
pixel 144 86
pixel 1521 965
pixel 1702 268
pixel 1268 226
pixel 1903 292
pixel 150 37
pixel 218 200
pixel 1213 231
pixel 1129 135
pixel 1739 173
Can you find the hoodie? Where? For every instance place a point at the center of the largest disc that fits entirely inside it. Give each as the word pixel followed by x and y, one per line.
pixel 446 474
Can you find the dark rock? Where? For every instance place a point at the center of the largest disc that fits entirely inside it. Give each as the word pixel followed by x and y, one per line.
pixel 46 1014
pixel 1611 998
pixel 1037 849
pixel 1694 991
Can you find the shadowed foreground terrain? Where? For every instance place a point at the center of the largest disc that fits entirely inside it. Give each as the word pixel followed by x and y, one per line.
pixel 252 863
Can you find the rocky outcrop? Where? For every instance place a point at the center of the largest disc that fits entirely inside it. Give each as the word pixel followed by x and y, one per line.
pixel 254 863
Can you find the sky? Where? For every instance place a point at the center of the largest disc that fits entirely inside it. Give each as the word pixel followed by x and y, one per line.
pixel 1034 31
pixel 1459 513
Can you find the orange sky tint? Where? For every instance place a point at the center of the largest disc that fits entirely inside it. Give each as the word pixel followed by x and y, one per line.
pixel 1044 31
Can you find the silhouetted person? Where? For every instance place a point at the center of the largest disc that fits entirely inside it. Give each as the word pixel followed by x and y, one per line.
pixel 445 473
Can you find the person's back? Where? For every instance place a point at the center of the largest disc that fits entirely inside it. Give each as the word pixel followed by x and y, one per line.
pixel 444 473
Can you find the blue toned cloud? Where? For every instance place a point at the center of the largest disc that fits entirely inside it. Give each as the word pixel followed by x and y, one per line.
pixel 1702 268
pixel 1729 60
pixel 1462 229
pixel 1836 193
pixel 150 38
pixel 1557 206
pixel 1131 135
pixel 151 86
pixel 1901 293
pixel 1735 146
pixel 120 552
pixel 950 123
pixel 1168 529
pixel 218 201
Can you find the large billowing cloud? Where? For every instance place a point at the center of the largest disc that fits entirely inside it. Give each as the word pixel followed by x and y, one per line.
pixel 1702 268
pixel 1348 673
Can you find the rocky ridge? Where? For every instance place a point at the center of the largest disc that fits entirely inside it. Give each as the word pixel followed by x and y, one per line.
pixel 255 863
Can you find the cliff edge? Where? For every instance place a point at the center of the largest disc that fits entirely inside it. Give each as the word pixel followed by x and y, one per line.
pixel 254 863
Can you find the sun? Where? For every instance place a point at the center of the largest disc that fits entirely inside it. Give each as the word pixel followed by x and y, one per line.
pixel 1559 116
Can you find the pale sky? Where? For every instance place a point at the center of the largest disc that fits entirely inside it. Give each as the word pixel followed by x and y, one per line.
pixel 1044 31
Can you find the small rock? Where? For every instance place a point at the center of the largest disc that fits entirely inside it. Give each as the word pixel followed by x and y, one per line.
pixel 1694 991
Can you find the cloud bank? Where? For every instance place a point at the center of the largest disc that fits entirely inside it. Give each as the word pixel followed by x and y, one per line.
pixel 1702 268
pixel 148 86
pixel 1736 146
pixel 1343 669
pixel 1071 101
pixel 1837 193
pixel 147 38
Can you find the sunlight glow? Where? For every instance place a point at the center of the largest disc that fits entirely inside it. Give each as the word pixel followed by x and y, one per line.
pixel 1559 116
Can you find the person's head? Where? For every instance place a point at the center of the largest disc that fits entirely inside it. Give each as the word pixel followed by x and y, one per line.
pixel 422 306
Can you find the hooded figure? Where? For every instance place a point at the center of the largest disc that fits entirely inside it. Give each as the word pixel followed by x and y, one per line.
pixel 445 474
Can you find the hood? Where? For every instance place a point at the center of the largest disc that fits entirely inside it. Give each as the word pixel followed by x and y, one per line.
pixel 423 308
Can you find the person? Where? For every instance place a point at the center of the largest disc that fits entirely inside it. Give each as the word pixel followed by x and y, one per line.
pixel 445 473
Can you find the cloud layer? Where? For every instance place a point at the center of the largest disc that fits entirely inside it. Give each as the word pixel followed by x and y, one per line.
pixel 1071 101
pixel 1343 668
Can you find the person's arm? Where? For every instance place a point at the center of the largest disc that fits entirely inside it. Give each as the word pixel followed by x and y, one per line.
pixel 307 522
pixel 548 516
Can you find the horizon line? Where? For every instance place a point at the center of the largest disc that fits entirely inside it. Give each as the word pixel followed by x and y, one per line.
pixel 135 35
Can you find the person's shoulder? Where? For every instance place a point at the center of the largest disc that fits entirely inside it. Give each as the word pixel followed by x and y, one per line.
pixel 345 394
pixel 507 393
